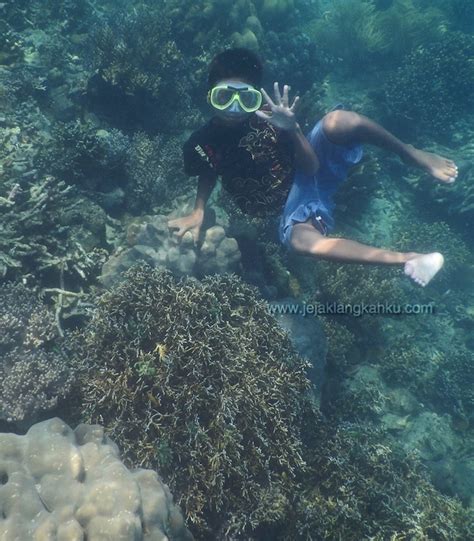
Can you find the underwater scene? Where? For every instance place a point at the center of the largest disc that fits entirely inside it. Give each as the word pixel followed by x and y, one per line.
pixel 236 270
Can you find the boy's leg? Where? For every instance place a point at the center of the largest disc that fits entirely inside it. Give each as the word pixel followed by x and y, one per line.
pixel 305 239
pixel 348 128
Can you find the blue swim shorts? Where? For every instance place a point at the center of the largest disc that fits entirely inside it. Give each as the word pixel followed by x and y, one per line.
pixel 311 196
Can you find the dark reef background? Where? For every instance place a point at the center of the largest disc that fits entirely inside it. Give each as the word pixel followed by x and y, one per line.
pixel 180 360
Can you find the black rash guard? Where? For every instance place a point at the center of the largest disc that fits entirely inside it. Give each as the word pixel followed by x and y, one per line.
pixel 255 160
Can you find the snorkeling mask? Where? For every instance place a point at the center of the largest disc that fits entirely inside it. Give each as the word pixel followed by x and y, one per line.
pixel 224 96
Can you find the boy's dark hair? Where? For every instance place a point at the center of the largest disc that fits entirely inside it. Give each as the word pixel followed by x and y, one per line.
pixel 237 62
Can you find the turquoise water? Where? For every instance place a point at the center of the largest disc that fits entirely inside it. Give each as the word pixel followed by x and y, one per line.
pixel 280 391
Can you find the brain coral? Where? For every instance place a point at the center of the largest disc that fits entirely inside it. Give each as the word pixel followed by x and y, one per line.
pixel 70 485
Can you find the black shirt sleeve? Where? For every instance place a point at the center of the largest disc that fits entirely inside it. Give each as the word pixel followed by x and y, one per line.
pixel 195 158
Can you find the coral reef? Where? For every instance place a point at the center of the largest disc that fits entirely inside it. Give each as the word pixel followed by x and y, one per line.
pixel 119 172
pixel 409 365
pixel 414 393
pixel 363 488
pixel 70 484
pixel 48 231
pixel 307 335
pixel 269 27
pixel 350 31
pixel 352 285
pixel 414 235
pixel 453 385
pixel 455 201
pixel 357 37
pixel 129 49
pixel 96 100
pixel 66 16
pixel 11 50
pixel 244 21
pixel 140 72
pixel 198 380
pixel 37 236
pixel 150 240
pixel 303 69
pixel 459 12
pixel 342 356
pixel 48 68
pixel 79 153
pixel 432 87
pixel 363 396
pixel 23 129
pixel 274 269
pixel 151 163
pixel 443 379
pixel 35 369
pixel 405 27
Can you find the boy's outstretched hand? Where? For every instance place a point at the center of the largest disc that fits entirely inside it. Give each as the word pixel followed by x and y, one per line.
pixel 192 222
pixel 282 116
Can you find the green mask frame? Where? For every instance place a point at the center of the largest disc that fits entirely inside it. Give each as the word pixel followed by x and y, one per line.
pixel 222 96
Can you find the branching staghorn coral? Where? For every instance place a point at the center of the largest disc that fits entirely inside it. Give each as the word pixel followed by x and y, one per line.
pixel 432 87
pixel 149 164
pixel 135 50
pixel 80 154
pixel 196 370
pixel 140 70
pixel 202 368
pixel 354 284
pixel 363 488
pixel 34 238
pixel 442 378
pixel 118 171
pixel 34 369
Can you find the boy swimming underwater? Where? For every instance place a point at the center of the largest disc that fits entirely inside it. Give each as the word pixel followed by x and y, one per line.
pixel 269 166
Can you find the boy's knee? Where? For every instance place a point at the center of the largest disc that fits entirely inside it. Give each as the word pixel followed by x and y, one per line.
pixel 295 245
pixel 339 121
pixel 304 239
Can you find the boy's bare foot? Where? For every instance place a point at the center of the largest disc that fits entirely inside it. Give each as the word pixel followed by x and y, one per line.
pixel 440 168
pixel 423 267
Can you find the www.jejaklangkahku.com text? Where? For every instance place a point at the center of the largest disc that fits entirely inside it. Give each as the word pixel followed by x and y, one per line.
pixel 354 309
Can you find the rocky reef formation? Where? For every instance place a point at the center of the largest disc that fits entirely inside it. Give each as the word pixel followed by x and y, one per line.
pixel 150 240
pixel 59 483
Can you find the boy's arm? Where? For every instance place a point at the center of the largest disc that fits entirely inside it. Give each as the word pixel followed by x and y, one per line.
pixel 193 221
pixel 305 157
pixel 206 184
